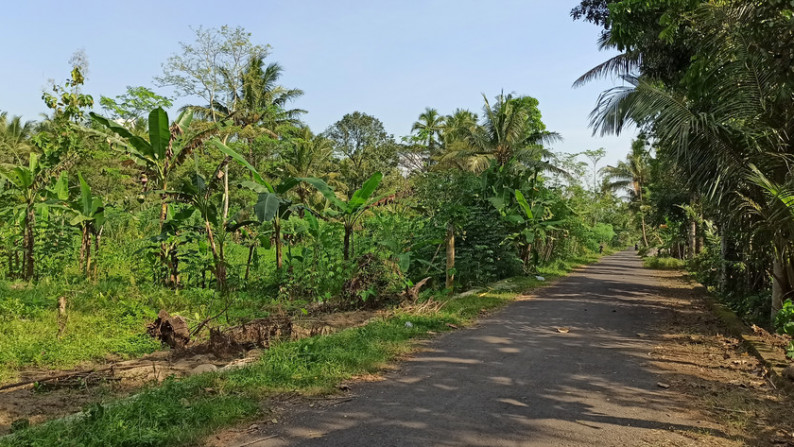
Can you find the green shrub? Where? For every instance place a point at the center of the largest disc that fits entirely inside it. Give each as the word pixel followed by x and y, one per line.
pixel 663 263
pixel 784 323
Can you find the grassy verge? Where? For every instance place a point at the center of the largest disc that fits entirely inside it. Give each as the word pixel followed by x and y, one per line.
pixel 103 320
pixel 181 412
pixel 664 263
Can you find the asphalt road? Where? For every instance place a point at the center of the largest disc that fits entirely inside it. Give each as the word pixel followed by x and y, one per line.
pixel 516 380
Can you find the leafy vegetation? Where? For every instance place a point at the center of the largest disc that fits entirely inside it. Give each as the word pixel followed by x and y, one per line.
pixel 663 263
pixel 709 85
pixel 236 210
pixel 784 322
pixel 180 412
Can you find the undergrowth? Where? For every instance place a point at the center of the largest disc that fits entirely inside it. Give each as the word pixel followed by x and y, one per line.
pixel 183 411
pixel 663 263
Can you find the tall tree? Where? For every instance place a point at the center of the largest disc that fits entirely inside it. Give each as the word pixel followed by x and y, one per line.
pixel 363 147
pixel 57 146
pixel 632 176
pixel 428 130
pixel 212 66
pixel 721 113
pixel 304 154
pixel 15 137
pixel 594 156
pixel 511 130
pixel 134 105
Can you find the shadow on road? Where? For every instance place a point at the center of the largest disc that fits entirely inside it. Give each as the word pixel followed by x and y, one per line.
pixel 518 379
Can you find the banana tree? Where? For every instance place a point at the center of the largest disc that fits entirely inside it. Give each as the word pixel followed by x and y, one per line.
pixel 352 210
pixel 89 215
pixel 272 204
pixel 166 149
pixel 198 195
pixel 532 223
pixel 30 186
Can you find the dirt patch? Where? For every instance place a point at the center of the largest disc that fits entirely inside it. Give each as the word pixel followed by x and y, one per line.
pixel 55 393
pixel 725 382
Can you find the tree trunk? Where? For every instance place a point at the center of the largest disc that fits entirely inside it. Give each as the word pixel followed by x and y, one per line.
pixel 97 240
pixel 778 286
pixel 163 204
pixel 526 252
pixel 168 258
pixel 226 192
pixel 279 248
pixel 781 276
pixel 450 239
pixel 348 235
pixel 86 249
pixel 248 263
pixel 692 239
pixel 29 243
pixel 723 282
pixel 220 269
pixel 173 265
pixel 644 231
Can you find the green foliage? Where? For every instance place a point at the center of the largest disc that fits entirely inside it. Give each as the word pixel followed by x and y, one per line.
pixel 362 147
pixel 134 104
pixel 784 324
pixel 663 263
pixel 708 82
pixel 268 217
pixel 180 412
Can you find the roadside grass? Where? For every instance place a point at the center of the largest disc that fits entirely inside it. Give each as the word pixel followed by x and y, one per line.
pixel 105 320
pixel 663 263
pixel 181 412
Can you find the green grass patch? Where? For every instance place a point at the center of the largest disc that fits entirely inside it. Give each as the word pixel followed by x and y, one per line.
pixel 663 263
pixel 104 320
pixel 182 412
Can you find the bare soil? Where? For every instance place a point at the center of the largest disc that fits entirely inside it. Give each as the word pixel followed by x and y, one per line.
pixel 95 382
pixel 720 379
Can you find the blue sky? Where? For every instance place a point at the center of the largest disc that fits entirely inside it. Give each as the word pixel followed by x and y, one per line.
pixel 390 59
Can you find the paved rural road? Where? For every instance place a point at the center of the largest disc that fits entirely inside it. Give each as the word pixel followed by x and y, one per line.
pixel 514 380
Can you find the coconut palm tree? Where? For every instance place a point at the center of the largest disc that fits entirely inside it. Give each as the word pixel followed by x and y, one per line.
pixel 632 175
pixel 511 130
pixel 428 129
pixel 728 127
pixel 304 155
pixel 14 138
pixel 260 102
pixel 459 126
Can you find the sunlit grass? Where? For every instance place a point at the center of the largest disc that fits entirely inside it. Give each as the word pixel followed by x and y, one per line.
pixel 663 263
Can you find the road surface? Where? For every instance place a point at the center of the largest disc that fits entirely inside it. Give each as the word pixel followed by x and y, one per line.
pixel 515 379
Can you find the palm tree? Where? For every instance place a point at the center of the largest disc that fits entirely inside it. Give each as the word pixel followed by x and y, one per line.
pixel 428 129
pixel 14 138
pixel 459 126
pixel 511 130
pixel 304 155
pixel 257 108
pixel 260 101
pixel 727 128
pixel 267 101
pixel 632 175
